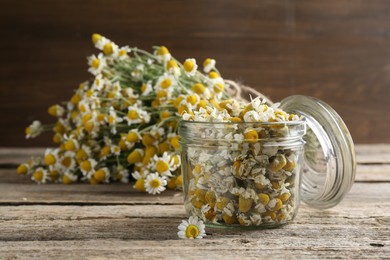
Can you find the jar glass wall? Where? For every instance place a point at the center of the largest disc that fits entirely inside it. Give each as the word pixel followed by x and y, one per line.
pixel 242 174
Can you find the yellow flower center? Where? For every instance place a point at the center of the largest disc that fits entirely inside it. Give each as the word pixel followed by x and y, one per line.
pixel 54 175
pixel 143 88
pixel 192 99
pixel 140 184
pixel 177 101
pixel 156 103
pixel 147 140
pixel 162 166
pixel 161 94
pixel 66 161
pixel 66 180
pixel 81 155
pixel 57 138
pixel 218 88
pixel 188 65
pixel 179 180
pixel 206 62
pixel 251 136
pixel 155 183
pixel 100 175
pixel 163 147
pixel 132 114
pixel 192 231
pixel 50 159
pixel 70 146
pixel 198 88
pixel 213 75
pixel 107 49
pixel 263 198
pixel 52 110
pixel 132 137
pixel 150 151
pixel 111 120
pixel 75 99
pixel 28 130
pixel 38 175
pixel 86 166
pixel 165 114
pixel 122 52
pixel 96 37
pixel 101 117
pixel 162 50
pixel 166 83
pixel 105 151
pixel 95 63
pixel 134 157
pixel 175 142
pixel 22 169
pixel 172 64
pixel 89 126
pixel 202 103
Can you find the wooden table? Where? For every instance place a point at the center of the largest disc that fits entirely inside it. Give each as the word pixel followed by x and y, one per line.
pixel 115 221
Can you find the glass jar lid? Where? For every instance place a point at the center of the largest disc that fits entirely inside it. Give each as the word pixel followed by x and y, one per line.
pixel 329 162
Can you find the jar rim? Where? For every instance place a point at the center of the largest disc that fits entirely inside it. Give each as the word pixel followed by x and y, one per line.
pixel 267 124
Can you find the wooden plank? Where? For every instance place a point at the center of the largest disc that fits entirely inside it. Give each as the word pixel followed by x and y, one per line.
pixel 275 247
pixel 372 153
pixel 355 228
pixel 373 173
pixel 82 194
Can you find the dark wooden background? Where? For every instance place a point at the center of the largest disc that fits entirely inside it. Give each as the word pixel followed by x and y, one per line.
pixel 335 50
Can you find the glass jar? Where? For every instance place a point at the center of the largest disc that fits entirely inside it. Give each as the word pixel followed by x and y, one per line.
pixel 252 175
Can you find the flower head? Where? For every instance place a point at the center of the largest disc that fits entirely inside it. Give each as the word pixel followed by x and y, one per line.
pixel 193 228
pixel 96 63
pixel 155 184
pixel 34 129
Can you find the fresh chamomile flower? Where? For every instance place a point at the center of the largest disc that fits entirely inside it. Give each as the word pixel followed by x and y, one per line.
pixel 96 63
pixel 34 129
pixel 87 167
pixel 165 86
pixel 101 175
pixel 69 177
pixel 190 67
pixel 154 184
pixel 191 229
pixel 163 54
pixel 98 83
pixel 208 65
pixel 110 49
pixel 173 68
pixel 122 174
pixel 136 115
pixel 40 175
pixel 99 41
pixel 56 111
pixel 66 161
pixel 146 88
pixel 163 165
pixel 113 119
pixel 51 156
pixel 123 52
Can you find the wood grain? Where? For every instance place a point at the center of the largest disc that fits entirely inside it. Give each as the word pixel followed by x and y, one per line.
pixel 116 222
pixel 334 50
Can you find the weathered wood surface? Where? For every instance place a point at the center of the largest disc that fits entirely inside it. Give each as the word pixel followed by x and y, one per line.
pixel 335 50
pixel 115 221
